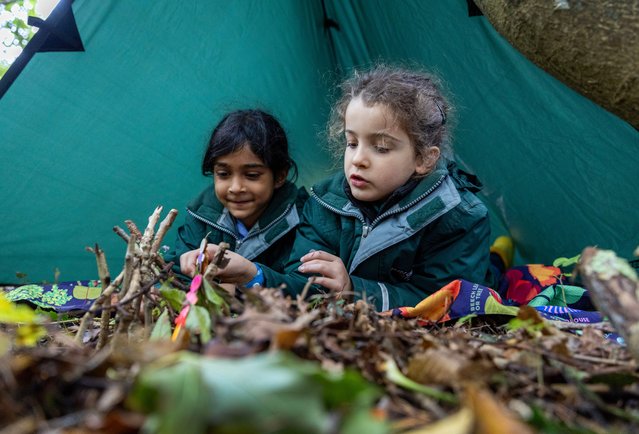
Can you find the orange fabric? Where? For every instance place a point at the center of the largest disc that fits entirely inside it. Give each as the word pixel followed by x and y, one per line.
pixel 436 306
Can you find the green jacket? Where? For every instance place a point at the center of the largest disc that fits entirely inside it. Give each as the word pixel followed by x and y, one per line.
pixel 438 233
pixel 269 241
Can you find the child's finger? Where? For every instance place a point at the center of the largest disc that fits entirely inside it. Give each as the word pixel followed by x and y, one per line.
pixel 328 283
pixel 188 262
pixel 318 254
pixel 317 266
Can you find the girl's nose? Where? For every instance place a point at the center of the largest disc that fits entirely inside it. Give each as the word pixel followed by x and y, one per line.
pixel 236 185
pixel 359 156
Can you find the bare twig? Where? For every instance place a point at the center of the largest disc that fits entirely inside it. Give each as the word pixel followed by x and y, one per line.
pixel 307 287
pixel 566 325
pixel 147 238
pixel 125 320
pixel 606 361
pixel 121 233
pixel 97 304
pixel 135 232
pixel 105 280
pixel 162 230
pixel 104 324
pixel 218 262
pixel 136 295
pixel 129 265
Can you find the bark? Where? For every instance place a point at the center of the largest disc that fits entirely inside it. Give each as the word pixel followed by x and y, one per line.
pixel 592 46
pixel 614 289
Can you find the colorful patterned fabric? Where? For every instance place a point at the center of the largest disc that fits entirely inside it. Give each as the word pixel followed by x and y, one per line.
pixel 455 300
pixel 461 298
pixel 563 295
pixel 60 297
pixel 519 285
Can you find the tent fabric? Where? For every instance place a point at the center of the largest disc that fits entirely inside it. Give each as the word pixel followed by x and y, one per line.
pixel 93 138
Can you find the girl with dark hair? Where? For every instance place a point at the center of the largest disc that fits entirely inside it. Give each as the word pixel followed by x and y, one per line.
pixel 252 205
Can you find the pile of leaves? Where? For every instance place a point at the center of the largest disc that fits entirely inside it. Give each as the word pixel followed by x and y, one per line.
pixel 280 365
pixel 153 355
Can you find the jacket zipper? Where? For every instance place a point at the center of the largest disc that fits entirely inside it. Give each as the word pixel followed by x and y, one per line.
pixel 335 210
pixel 410 204
pixel 238 241
pixel 366 229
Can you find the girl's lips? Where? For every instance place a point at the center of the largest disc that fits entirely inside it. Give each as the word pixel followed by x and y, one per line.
pixel 357 181
pixel 239 202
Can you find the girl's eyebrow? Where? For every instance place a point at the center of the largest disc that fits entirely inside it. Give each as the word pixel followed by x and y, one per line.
pixel 386 135
pixel 380 134
pixel 246 166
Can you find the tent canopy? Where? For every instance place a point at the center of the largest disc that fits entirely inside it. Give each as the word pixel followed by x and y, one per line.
pixel 92 138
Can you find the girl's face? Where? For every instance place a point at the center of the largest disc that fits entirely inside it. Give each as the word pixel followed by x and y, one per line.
pixel 380 156
pixel 244 184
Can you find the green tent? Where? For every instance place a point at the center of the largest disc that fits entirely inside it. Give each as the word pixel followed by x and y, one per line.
pixel 102 124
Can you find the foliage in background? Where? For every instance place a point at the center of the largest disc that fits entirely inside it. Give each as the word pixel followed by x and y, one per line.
pixel 26 329
pixel 15 33
pixel 14 30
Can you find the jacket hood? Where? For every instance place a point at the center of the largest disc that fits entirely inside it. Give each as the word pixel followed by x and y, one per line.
pixel 463 180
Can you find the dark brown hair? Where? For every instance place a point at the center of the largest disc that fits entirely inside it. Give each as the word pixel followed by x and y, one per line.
pixel 413 98
pixel 258 130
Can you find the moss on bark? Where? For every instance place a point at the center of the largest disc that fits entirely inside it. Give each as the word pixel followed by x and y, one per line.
pixel 592 46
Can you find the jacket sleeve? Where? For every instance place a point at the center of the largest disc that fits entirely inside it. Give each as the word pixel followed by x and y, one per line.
pixel 318 230
pixel 454 247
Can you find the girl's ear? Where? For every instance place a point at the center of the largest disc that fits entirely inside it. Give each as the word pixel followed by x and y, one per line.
pixel 427 160
pixel 280 178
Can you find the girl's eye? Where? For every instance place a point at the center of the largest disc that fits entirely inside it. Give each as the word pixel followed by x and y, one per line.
pixel 253 175
pixel 351 144
pixel 221 174
pixel 382 149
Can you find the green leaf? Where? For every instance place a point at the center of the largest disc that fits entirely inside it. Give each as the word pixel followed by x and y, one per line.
pixel 173 296
pixel 396 376
pixel 199 322
pixel 213 300
pixel 566 262
pixel 527 324
pixel 544 423
pixel 162 328
pixel 465 319
pixel 615 379
pixel 271 392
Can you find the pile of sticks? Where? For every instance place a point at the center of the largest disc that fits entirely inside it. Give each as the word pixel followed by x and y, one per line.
pixel 131 294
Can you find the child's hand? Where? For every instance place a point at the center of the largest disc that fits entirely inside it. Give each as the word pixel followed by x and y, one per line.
pixel 238 269
pixel 188 264
pixel 333 273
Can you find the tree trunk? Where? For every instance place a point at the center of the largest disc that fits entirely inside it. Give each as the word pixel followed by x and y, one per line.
pixel 614 289
pixel 592 46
